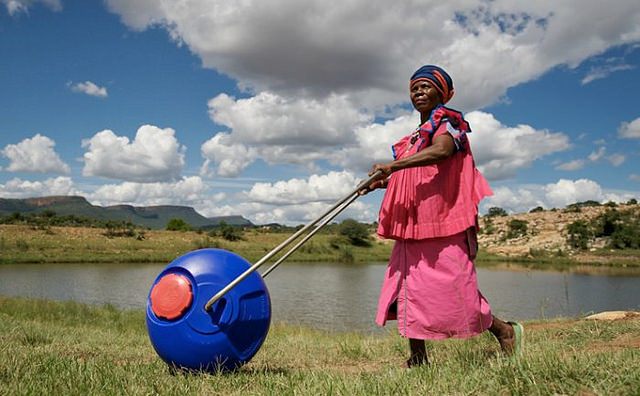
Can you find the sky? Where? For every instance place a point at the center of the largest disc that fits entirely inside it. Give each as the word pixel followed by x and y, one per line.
pixel 276 109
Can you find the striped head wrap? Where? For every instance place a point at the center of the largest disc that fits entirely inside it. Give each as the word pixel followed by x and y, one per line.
pixel 440 79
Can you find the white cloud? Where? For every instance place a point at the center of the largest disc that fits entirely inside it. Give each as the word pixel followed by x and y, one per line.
pixel 187 191
pixel 634 177
pixel 153 156
pixel 35 154
pixel 373 143
pixel 15 7
pixel 229 158
pixel 553 195
pixel 571 165
pixel 269 119
pixel 291 214
pixel 293 201
pixel 616 159
pixel 630 130
pixel 596 155
pixel 501 151
pixel 89 88
pixel 603 71
pixel 517 200
pixel 317 48
pixel 18 188
pixel 317 188
pixel 566 192
pixel 278 130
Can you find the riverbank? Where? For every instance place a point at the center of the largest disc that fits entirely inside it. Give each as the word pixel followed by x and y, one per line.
pixel 68 348
pixel 24 244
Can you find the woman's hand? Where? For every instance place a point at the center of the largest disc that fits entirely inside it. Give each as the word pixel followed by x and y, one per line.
pixel 384 171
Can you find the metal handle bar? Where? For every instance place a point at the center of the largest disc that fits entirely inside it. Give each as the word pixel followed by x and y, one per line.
pixel 353 194
pixel 310 234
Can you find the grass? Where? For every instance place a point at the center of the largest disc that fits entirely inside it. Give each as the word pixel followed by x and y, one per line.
pixel 22 244
pixel 73 349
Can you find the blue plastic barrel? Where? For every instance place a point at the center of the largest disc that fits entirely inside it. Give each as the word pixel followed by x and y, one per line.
pixel 185 335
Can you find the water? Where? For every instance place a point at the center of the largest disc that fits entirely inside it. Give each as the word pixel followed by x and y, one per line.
pixel 333 296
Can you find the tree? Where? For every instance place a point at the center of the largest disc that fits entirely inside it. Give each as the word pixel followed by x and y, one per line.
pixel 578 234
pixel 229 232
pixel 357 233
pixel 178 225
pixel 495 211
pixel 517 228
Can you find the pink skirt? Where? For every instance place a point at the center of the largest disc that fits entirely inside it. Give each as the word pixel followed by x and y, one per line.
pixel 434 287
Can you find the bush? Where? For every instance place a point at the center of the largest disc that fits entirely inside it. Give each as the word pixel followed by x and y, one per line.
pixel 496 211
pixel 626 236
pixel 120 229
pixel 357 233
pixel 229 232
pixel 488 228
pixel 578 234
pixel 517 228
pixel 632 201
pixel 606 223
pixel 537 209
pixel 178 225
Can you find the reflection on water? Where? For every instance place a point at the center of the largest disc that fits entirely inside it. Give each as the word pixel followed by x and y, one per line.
pixel 332 296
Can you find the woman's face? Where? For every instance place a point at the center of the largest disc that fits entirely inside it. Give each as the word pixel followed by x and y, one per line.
pixel 424 96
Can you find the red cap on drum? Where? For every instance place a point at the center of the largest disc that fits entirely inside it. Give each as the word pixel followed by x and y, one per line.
pixel 171 297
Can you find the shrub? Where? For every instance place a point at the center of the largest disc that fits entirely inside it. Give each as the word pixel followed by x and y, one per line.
pixel 119 229
pixel 357 233
pixel 626 236
pixel 229 232
pixel 632 201
pixel 488 228
pixel 496 211
pixel 517 228
pixel 578 234
pixel 606 223
pixel 206 242
pixel 537 209
pixel 178 225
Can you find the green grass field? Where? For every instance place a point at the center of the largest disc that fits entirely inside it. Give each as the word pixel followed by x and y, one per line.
pixel 65 348
pixel 23 244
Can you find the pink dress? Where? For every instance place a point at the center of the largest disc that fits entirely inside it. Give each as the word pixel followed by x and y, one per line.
pixel 431 212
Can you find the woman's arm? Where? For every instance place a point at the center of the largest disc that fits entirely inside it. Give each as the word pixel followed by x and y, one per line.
pixel 442 148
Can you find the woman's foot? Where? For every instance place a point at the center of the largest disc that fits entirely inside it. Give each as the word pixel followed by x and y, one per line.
pixel 418 353
pixel 505 334
pixel 415 361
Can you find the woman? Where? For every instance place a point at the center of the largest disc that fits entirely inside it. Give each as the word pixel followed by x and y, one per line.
pixel 430 209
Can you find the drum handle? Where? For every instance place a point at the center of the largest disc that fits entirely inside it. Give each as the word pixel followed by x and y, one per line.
pixel 331 213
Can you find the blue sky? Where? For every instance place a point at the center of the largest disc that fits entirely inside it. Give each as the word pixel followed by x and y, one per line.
pixel 274 110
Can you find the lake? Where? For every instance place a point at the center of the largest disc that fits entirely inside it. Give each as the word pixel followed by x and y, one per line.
pixel 334 296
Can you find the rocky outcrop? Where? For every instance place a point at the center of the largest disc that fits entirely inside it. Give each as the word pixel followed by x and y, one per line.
pixel 546 230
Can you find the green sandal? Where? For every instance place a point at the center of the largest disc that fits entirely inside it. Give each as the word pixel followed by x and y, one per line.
pixel 519 333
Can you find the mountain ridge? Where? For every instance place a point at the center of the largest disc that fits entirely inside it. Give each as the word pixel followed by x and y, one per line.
pixel 154 217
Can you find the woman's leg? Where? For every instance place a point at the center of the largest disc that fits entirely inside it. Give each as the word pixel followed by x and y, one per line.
pixel 418 353
pixel 505 334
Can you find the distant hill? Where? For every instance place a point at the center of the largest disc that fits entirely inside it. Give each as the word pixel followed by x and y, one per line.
pixel 155 217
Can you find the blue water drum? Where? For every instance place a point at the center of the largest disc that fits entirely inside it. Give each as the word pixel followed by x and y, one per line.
pixel 185 335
